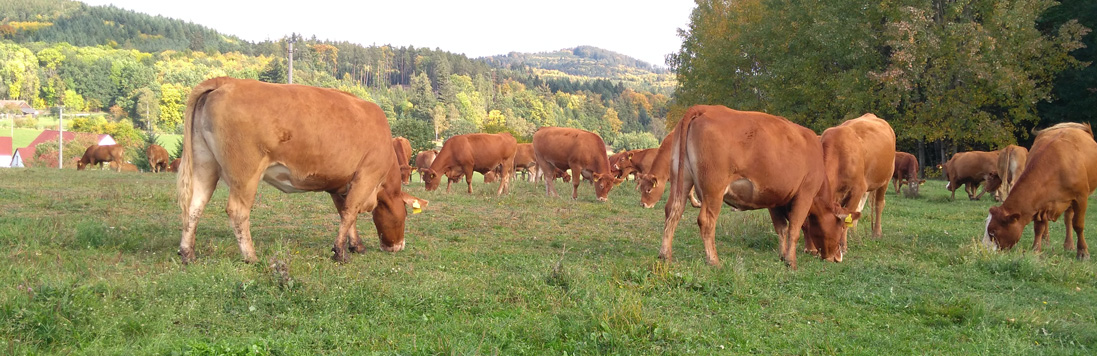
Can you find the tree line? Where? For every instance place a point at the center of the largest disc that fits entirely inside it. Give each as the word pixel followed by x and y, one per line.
pixel 947 75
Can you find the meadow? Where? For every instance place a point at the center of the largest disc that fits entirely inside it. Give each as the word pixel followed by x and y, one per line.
pixel 90 267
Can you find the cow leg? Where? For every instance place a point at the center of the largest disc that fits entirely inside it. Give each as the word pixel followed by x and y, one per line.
pixel 468 178
pixel 673 213
pixel 576 178
pixel 798 213
pixel 1079 219
pixel 508 171
pixel 706 220
pixel 1068 220
pixel 340 202
pixel 1039 228
pixel 952 187
pixel 362 196
pixel 203 179
pixel 241 198
pixel 779 217
pixel 878 212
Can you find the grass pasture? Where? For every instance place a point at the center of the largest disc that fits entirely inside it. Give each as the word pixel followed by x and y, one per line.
pixel 91 268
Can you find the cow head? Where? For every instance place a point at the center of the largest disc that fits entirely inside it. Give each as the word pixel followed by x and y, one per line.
pixel 431 179
pixel 825 227
pixel 490 177
pixel 651 189
pixel 405 174
pixel 913 185
pixel 603 182
pixel 1003 228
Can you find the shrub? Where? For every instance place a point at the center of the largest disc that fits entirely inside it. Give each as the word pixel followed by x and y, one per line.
pixel 635 141
pixel 419 132
pixel 26 122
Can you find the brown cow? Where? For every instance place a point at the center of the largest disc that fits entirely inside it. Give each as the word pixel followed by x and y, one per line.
pixel 753 160
pixel 159 160
pixel 423 161
pixel 403 155
pixel 124 166
pixel 619 164
pixel 174 167
pixel 1011 162
pixel 859 156
pixel 654 183
pixel 525 160
pixel 906 173
pixel 96 154
pixel 478 152
pixel 298 139
pixel 583 152
pixel 970 169
pixel 1060 175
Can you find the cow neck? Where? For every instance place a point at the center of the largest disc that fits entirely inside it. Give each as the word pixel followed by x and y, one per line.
pixel 1025 200
pixel 442 161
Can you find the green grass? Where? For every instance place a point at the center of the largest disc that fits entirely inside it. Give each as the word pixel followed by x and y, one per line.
pixel 22 138
pixel 91 268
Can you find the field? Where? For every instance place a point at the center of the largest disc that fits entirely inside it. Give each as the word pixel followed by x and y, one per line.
pixel 91 268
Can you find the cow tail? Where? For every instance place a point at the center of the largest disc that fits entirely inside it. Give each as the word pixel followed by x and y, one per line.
pixel 184 184
pixel 682 130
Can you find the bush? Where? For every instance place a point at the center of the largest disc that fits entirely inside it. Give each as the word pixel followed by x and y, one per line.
pixel 635 141
pixel 26 122
pixel 460 127
pixel 419 132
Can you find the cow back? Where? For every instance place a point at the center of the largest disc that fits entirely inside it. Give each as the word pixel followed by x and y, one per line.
pixel 564 147
pixel 859 151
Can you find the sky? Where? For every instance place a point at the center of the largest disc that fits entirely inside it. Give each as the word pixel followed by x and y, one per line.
pixel 645 29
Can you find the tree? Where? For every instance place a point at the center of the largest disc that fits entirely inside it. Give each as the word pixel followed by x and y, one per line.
pixel 172 104
pixel 274 71
pixel 148 107
pixel 418 132
pixel 18 73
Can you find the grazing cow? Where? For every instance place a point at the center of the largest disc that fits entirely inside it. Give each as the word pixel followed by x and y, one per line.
pixel 174 167
pixel 859 156
pixel 753 160
pixel 96 154
pixel 525 160
pixel 1011 162
pixel 906 173
pixel 620 165
pixel 583 152
pixel 403 156
pixel 478 152
pixel 124 166
pixel 654 183
pixel 298 139
pixel 1060 175
pixel 423 161
pixel 159 160
pixel 970 169
pixel 641 161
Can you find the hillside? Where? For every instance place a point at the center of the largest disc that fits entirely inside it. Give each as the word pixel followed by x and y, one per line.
pixel 584 62
pixel 78 24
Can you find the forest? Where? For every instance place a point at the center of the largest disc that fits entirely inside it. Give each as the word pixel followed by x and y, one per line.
pixel 948 75
pixel 137 69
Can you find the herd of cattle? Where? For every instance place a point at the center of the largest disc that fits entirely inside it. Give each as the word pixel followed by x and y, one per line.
pixel 299 138
pixel 159 160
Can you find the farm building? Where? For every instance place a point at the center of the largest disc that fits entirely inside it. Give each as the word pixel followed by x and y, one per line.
pixel 25 108
pixel 18 159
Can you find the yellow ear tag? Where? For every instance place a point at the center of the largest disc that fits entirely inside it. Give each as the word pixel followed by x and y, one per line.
pixel 849 220
pixel 416 208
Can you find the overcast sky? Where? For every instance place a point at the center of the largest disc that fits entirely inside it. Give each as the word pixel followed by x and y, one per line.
pixel 646 30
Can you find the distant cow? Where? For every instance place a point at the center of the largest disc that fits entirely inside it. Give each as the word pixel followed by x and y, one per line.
pixel 403 155
pixel 124 166
pixel 478 152
pixel 906 173
pixel 970 169
pixel 423 161
pixel 159 160
pixel 1060 175
pixel 583 152
pixel 174 167
pixel 526 161
pixel 620 165
pixel 753 160
pixel 859 156
pixel 642 161
pixel 653 183
pixel 298 139
pixel 96 154
pixel 1011 162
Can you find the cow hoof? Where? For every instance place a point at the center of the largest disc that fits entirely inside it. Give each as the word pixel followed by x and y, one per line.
pixel 814 252
pixel 186 256
pixel 340 255
pixel 358 248
pixel 1083 255
pixel 1068 247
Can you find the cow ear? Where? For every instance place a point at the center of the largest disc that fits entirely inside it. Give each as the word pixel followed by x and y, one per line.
pixel 630 156
pixel 596 178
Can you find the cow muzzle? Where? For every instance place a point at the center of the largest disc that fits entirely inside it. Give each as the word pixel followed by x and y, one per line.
pixel 394 248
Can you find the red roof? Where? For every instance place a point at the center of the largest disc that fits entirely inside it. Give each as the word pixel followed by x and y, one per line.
pixel 5 146
pixel 51 135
